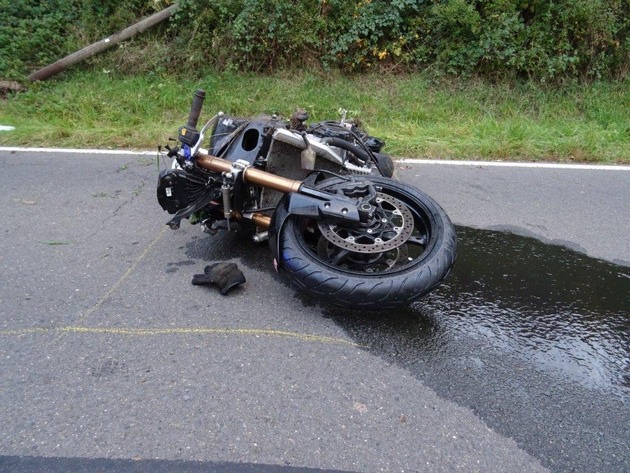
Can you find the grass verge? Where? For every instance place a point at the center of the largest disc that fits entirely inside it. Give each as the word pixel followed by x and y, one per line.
pixel 416 116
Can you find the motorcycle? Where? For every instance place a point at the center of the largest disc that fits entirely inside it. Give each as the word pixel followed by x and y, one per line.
pixel 337 223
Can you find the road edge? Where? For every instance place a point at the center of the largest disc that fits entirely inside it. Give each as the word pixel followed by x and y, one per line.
pixel 445 162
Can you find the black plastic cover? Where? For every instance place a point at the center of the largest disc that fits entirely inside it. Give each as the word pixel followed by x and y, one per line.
pixel 172 191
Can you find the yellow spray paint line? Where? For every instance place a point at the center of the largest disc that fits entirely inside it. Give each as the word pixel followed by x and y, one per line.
pixel 123 278
pixel 25 331
pixel 79 329
pixel 179 331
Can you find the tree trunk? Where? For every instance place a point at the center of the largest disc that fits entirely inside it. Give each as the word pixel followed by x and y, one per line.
pixel 102 45
pixel 7 86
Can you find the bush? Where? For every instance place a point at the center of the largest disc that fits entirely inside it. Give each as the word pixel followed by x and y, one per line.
pixel 268 34
pixel 33 33
pixel 534 39
pixel 587 38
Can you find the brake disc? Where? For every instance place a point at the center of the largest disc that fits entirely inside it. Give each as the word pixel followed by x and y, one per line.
pixel 392 225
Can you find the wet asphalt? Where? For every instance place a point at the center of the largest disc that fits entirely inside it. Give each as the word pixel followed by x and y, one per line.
pixel 113 361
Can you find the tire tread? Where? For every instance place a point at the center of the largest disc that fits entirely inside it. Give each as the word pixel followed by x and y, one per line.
pixel 371 291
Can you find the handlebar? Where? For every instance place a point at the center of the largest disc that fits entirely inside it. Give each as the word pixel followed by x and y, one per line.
pixel 195 109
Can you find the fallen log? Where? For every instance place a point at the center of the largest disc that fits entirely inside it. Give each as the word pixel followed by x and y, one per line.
pixel 102 45
pixel 7 86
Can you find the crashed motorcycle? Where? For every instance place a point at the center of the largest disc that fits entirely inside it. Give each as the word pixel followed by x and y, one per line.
pixel 323 197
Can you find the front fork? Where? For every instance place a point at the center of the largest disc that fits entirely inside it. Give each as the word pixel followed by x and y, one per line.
pixel 302 200
pixel 350 206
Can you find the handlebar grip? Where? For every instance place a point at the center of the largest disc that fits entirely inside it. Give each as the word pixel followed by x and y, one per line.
pixel 195 109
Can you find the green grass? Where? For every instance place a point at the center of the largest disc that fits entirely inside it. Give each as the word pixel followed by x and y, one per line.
pixel 417 116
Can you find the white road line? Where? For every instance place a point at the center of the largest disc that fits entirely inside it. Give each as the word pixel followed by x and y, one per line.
pixel 591 167
pixel 78 151
pixel 594 167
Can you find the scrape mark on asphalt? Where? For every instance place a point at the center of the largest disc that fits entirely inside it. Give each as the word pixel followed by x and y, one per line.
pixel 305 337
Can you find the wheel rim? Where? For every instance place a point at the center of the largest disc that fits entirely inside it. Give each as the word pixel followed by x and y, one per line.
pixel 390 227
pixel 389 246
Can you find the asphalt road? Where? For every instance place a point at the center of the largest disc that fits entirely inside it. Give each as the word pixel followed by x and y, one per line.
pixel 109 353
pixel 585 209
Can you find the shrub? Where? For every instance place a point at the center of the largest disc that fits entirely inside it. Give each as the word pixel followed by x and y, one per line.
pixel 374 32
pixel 33 33
pixel 535 39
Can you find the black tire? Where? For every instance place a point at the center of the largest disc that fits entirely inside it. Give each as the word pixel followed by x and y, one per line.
pixel 353 279
pixel 385 164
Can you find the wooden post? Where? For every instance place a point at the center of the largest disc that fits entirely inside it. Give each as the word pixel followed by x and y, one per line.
pixel 102 45
pixel 7 86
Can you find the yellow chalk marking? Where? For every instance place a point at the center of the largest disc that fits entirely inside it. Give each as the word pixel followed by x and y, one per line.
pixel 181 331
pixel 165 331
pixel 24 331
pixel 123 278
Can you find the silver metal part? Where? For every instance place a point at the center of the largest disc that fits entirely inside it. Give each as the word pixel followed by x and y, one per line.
pixel 239 165
pixel 344 114
pixel 331 153
pixel 399 255
pixel 225 195
pixel 307 159
pixel 357 169
pixel 195 149
pixel 260 237
pixel 295 139
pixel 387 233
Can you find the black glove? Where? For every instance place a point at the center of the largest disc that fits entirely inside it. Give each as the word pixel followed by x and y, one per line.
pixel 224 275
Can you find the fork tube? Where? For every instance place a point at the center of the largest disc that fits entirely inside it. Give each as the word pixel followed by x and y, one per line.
pixel 212 163
pixel 261 220
pixel 271 181
pixel 250 175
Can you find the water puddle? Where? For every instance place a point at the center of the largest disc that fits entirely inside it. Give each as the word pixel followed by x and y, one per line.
pixel 558 309
pixel 534 337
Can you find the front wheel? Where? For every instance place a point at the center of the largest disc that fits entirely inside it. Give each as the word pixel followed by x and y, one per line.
pixel 405 250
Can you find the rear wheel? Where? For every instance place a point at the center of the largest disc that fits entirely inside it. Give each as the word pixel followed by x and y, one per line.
pixel 405 249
